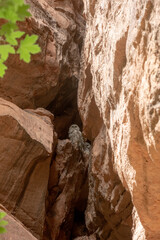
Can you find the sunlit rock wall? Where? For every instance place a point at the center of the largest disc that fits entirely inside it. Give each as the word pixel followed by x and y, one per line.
pixel 120 89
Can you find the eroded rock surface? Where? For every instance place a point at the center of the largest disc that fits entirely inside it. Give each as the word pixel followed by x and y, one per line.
pixel 15 229
pixel 109 208
pixel 50 80
pixel 121 81
pixel 60 28
pixel 110 191
pixel 92 237
pixel 26 145
pixel 68 188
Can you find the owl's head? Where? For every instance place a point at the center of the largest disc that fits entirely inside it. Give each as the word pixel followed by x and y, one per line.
pixel 73 128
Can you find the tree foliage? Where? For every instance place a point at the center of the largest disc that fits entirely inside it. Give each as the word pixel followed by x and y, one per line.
pixel 12 11
pixel 3 223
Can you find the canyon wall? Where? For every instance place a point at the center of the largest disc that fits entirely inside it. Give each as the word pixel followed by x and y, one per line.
pixel 80 124
pixel 118 100
pixel 30 95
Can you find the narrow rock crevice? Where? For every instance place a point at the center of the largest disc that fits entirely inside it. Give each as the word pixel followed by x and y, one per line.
pixel 64 107
pixel 68 188
pixel 80 124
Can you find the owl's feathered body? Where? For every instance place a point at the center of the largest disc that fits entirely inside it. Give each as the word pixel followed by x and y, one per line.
pixel 78 141
pixel 76 137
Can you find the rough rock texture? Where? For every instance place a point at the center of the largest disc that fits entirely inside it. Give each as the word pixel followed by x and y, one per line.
pixel 60 27
pixel 120 88
pixel 50 80
pixel 26 144
pixel 110 191
pixel 92 237
pixel 109 204
pixel 15 230
pixel 68 188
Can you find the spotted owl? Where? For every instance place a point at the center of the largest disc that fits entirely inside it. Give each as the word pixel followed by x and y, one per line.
pixel 75 136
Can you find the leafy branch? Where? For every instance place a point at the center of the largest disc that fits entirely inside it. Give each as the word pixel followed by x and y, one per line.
pixel 3 223
pixel 12 11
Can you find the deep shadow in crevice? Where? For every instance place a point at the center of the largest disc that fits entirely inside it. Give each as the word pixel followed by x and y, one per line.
pixel 79 228
pixel 64 107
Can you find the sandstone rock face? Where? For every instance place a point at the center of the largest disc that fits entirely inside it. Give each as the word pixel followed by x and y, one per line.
pixel 28 139
pixel 92 237
pixel 15 230
pixel 60 26
pixel 26 145
pixel 68 189
pixel 120 85
pixel 109 204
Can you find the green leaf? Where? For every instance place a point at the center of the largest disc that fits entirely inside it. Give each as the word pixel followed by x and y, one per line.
pixel 25 56
pixel 2 214
pixel 3 223
pixel 2 230
pixel 5 50
pixel 13 11
pixel 2 14
pixel 10 3
pixel 28 47
pixel 18 2
pixel 3 68
pixel 22 12
pixel 11 15
pixel 18 34
pixel 11 38
pixel 7 28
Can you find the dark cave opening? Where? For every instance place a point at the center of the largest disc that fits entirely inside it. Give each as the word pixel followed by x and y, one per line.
pixel 65 109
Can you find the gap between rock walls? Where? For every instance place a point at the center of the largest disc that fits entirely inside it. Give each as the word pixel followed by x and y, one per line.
pixel 79 124
pixel 68 182
pixel 52 182
pixel 68 179
pixel 104 190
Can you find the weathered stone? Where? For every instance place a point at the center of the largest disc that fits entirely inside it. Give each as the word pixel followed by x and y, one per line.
pixel 60 27
pixel 109 204
pixel 92 237
pixel 120 71
pixel 67 189
pixel 15 229
pixel 118 100
pixel 26 146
